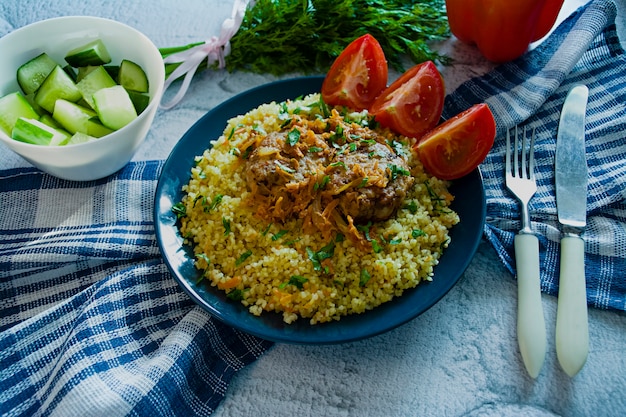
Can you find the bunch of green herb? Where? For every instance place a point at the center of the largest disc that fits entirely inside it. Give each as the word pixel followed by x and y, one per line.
pixel 305 36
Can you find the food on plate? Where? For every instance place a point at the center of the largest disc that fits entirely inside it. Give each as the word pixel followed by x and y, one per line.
pixel 80 100
pixel 313 212
pixel 357 76
pixel 412 104
pixel 457 146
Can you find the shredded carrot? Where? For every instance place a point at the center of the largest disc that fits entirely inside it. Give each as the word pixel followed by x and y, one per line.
pixel 230 283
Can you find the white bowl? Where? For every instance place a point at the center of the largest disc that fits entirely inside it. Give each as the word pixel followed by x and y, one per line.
pixel 102 157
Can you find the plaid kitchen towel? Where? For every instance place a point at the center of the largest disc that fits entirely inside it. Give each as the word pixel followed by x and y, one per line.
pixel 584 49
pixel 112 324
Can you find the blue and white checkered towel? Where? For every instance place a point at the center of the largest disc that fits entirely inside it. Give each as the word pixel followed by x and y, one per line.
pixel 530 92
pixel 91 322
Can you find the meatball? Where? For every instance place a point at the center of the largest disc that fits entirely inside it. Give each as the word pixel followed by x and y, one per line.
pixel 379 177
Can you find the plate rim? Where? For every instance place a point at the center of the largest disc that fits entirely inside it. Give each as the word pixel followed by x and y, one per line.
pixel 162 229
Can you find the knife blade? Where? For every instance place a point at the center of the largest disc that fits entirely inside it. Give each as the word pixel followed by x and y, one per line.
pixel 572 332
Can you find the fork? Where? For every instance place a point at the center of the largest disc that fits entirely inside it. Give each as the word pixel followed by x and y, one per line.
pixel 520 180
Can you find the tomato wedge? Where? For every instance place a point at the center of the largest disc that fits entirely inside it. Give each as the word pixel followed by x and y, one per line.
pixel 412 104
pixel 357 76
pixel 458 145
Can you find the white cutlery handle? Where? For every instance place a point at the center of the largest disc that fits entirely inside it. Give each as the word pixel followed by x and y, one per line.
pixel 572 328
pixel 531 328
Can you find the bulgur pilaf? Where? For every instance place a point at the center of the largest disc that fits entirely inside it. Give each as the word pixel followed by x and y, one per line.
pixel 283 253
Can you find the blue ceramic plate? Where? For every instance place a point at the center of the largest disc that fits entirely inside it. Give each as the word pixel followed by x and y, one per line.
pixel 469 203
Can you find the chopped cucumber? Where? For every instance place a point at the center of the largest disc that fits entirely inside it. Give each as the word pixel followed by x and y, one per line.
pixel 92 53
pixel 12 107
pixel 97 129
pixel 80 137
pixel 114 107
pixel 84 100
pixel 33 73
pixel 82 72
pixel 49 120
pixel 72 116
pixel 132 77
pixel 38 133
pixel 140 100
pixel 57 85
pixel 96 80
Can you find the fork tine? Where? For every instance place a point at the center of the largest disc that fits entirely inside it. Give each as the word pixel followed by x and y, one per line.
pixel 516 158
pixel 531 151
pixel 524 171
pixel 507 162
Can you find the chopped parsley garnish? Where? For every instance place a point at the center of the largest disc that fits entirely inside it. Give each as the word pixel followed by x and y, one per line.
pixel 314 149
pixel 316 258
pixel 320 185
pixel 365 228
pixel 338 164
pixel 396 170
pixel 214 203
pixel 179 210
pixel 293 137
pixel 242 258
pixel 365 276
pixel 411 206
pixel 203 257
pixel 267 229
pixel 363 182
pixel 280 234
pixel 235 295
pixel 226 224
pixel 417 233
pixel 295 280
pixel 376 246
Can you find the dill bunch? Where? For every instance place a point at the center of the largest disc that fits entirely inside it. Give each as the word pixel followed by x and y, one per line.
pixel 305 36
pixel 286 36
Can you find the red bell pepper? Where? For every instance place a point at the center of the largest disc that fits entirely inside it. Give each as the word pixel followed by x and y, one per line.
pixel 502 29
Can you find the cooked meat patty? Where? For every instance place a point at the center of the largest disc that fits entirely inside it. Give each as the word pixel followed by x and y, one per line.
pixel 358 173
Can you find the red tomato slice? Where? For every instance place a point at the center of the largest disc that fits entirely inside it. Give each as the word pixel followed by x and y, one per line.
pixel 412 104
pixel 458 145
pixel 357 76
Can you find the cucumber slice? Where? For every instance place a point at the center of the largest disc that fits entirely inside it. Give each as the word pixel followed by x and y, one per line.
pixel 33 73
pixel 92 53
pixel 49 120
pixel 12 107
pixel 80 137
pixel 96 80
pixel 57 85
pixel 97 129
pixel 71 116
pixel 114 107
pixel 82 72
pixel 140 100
pixel 35 132
pixel 71 71
pixel 132 77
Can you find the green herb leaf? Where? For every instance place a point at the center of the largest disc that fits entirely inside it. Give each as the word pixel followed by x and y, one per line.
pixel 364 278
pixel 242 258
pixel 226 224
pixel 179 210
pixel 295 280
pixel 281 36
pixel 293 137
pixel 280 234
pixel 235 295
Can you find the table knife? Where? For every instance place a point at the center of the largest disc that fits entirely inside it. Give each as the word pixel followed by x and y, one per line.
pixel 572 332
